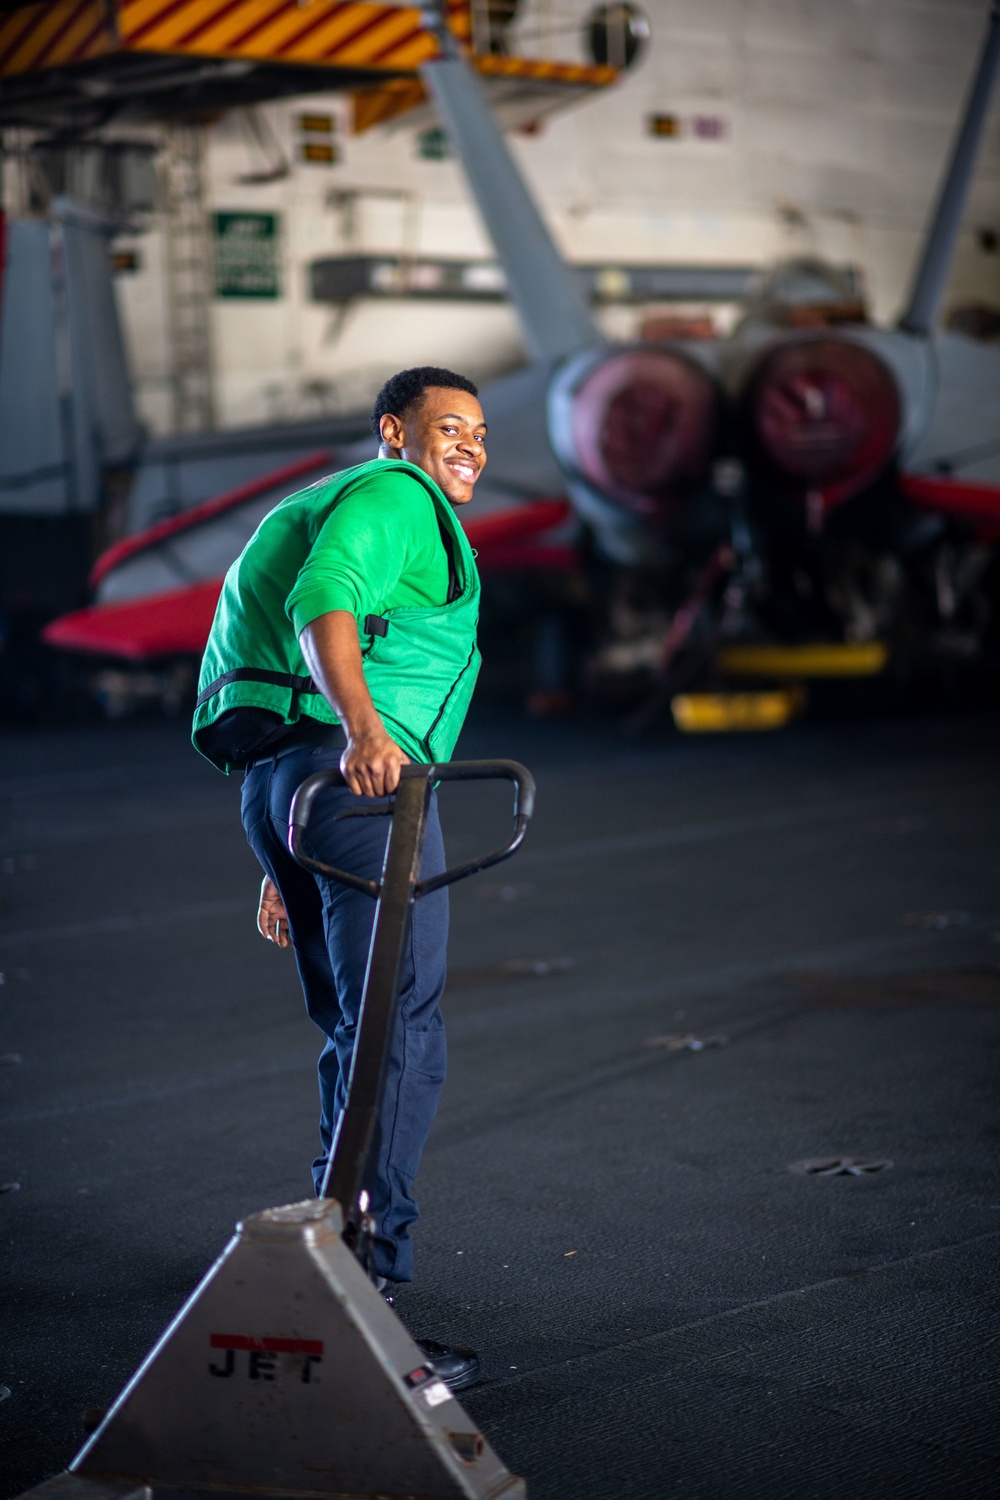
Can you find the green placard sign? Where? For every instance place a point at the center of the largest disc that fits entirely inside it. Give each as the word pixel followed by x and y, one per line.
pixel 246 255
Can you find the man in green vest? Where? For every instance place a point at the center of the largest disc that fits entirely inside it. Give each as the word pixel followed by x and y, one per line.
pixel 346 634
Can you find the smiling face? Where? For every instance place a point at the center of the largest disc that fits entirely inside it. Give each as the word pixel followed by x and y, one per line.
pixel 445 435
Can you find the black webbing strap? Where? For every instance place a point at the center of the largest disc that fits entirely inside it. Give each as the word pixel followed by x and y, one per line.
pixel 373 625
pixel 454 587
pixel 256 674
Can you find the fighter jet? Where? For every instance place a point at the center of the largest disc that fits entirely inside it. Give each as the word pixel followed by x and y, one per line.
pixel 859 467
pixel 872 458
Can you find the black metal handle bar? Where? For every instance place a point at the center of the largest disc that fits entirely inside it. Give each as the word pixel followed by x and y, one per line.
pixel 455 770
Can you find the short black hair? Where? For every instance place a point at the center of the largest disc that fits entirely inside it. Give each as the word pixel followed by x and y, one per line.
pixel 405 389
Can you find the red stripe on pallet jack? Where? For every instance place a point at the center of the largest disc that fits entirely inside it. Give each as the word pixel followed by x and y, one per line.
pixel 269 1346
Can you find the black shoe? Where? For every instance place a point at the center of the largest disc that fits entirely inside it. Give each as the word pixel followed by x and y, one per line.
pixel 458 1368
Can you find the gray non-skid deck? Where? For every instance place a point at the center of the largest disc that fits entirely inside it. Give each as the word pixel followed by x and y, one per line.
pixel 662 1306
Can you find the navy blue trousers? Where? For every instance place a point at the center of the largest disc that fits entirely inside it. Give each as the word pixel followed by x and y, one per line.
pixel 331 928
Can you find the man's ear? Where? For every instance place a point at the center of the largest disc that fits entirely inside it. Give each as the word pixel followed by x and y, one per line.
pixel 391 432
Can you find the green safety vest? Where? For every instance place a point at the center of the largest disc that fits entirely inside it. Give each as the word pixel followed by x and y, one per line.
pixel 420 663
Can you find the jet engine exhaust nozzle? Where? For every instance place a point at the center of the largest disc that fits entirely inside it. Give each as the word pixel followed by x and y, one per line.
pixel 824 412
pixel 638 424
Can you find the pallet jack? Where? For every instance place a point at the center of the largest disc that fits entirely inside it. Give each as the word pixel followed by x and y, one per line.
pixel 286 1374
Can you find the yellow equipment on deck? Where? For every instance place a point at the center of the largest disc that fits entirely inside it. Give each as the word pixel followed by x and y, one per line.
pixel 773 707
pixel 811 659
pixel 722 713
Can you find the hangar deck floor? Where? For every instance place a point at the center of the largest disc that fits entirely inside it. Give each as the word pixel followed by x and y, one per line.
pixel 662 1305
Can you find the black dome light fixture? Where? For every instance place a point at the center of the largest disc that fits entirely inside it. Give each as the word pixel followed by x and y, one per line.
pixel 616 34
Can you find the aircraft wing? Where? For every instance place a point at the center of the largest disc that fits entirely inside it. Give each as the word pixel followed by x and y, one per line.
pixel 156 592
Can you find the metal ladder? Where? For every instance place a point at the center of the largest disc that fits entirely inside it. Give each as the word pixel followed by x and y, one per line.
pixel 189 281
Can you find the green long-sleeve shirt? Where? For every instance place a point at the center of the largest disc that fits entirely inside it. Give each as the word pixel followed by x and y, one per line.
pixel 380 549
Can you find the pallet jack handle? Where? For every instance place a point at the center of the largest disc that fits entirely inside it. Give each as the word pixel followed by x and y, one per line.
pixel 349 1163
pixel 458 770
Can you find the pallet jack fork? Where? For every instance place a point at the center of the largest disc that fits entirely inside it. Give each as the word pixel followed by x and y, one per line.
pixel 286 1374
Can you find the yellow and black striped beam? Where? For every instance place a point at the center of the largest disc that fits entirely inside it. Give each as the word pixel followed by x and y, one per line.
pixel 326 33
pixel 37 37
pixel 53 46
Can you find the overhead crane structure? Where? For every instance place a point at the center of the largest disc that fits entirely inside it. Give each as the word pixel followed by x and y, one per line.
pixel 74 62
pixel 72 69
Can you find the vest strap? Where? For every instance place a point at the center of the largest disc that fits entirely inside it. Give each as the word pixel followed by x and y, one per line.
pixel 373 625
pixel 256 674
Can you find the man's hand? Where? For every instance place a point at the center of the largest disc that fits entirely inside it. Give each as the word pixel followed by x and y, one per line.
pixel 272 919
pixel 371 763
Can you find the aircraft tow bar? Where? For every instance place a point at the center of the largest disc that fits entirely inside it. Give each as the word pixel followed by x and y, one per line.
pixel 286 1374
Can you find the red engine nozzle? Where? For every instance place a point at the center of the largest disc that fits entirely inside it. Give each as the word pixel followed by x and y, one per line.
pixel 643 426
pixel 826 412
